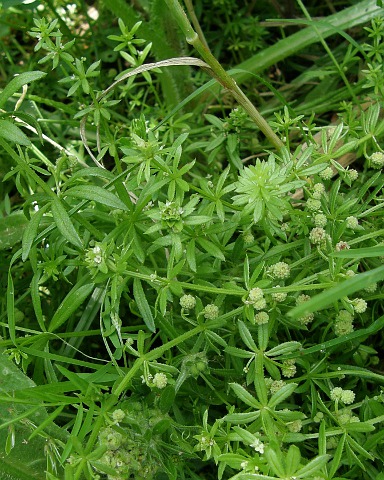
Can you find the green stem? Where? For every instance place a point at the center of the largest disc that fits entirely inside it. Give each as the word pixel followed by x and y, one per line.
pixel 195 22
pixel 218 72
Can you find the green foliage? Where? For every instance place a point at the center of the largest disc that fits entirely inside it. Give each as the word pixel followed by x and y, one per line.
pixel 191 289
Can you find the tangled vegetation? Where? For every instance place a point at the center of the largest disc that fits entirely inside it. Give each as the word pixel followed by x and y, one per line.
pixel 191 240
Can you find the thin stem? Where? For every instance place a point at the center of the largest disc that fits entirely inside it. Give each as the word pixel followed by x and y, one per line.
pixel 218 72
pixel 195 22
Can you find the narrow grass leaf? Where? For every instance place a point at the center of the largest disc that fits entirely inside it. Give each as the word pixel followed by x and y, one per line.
pixel 64 223
pixel 36 302
pixel 47 422
pixel 70 304
pixel 361 252
pixel 343 289
pixel 96 194
pixel 30 232
pixel 143 305
pixel 17 82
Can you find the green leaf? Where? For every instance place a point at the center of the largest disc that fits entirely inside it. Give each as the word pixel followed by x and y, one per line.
pixel 283 349
pixel 64 223
pixel 30 232
pixel 234 460
pixel 245 396
pixel 314 466
pixel 70 304
pixel 11 229
pixel 143 305
pixel 337 456
pixel 211 248
pixel 377 251
pixel 343 289
pixel 35 295
pixel 17 82
pixel 292 460
pixel 96 194
pixel 359 427
pixel 12 133
pixel 241 418
pixel 275 461
pixel 247 336
pixel 284 392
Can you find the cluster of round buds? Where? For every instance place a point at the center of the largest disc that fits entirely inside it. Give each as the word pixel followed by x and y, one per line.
pixel 118 415
pixel 211 311
pixel 256 298
pixel 279 296
pixel 359 305
pixel 326 174
pixel 343 323
pixel 111 438
pixel 248 238
pixel 288 369
pixel 352 222
pixel 195 364
pixel 307 318
pixel 320 220
pixel 318 190
pixel 187 302
pixel 295 426
pixel 337 394
pixel 352 174
pixel 371 288
pixel 313 204
pixel 261 318
pixel 160 380
pixel 345 416
pixel 280 270
pixel 377 160
pixel 276 386
pixel 317 236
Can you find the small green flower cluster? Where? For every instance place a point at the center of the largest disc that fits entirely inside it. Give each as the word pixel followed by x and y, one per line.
pixel 343 323
pixel 337 394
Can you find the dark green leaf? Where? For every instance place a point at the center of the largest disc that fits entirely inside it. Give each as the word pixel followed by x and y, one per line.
pixel 17 82
pixel 70 304
pixel 96 194
pixel 11 229
pixel 64 223
pixel 12 133
pixel 143 305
